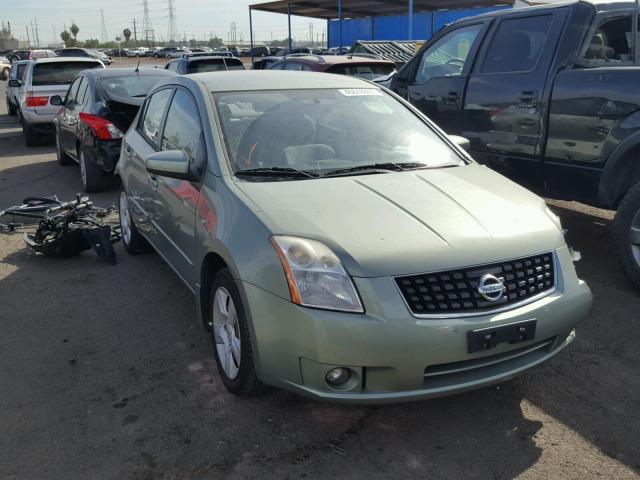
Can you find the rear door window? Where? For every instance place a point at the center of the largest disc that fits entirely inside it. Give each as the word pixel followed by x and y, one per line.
pixel 59 73
pixel 73 90
pixel 517 44
pixel 151 122
pixel 82 90
pixel 611 43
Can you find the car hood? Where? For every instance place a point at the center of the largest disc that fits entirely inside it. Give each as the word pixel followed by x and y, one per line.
pixel 411 222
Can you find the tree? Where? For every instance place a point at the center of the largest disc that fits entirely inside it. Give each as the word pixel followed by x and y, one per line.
pixel 127 35
pixel 92 43
pixel 74 31
pixel 66 38
pixel 215 42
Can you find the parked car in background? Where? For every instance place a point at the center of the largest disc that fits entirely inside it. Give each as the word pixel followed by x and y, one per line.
pixel 138 52
pixel 84 52
pixel 45 78
pixel 177 53
pixel 265 63
pixel 200 64
pixel 351 65
pixel 96 111
pixel 12 93
pixel 283 52
pixel 162 53
pixel 301 286
pixel 5 68
pixel 547 96
pixel 16 55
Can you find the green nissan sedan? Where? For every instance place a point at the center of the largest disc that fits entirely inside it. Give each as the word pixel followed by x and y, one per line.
pixel 338 244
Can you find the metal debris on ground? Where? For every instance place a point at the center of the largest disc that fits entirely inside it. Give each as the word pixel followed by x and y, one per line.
pixel 64 229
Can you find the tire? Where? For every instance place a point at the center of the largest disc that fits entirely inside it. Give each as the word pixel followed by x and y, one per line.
pixel 230 333
pixel 63 158
pixel 6 72
pixel 133 241
pixel 90 173
pixel 31 138
pixel 11 109
pixel 626 228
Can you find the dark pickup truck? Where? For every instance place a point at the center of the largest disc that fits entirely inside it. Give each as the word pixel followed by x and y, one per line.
pixel 548 96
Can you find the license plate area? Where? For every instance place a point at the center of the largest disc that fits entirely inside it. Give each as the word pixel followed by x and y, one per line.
pixel 488 338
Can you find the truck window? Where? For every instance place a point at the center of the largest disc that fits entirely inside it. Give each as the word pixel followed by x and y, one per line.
pixel 517 44
pixel 448 56
pixel 611 43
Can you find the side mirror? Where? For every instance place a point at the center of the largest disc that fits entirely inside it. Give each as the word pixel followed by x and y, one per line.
pixel 169 163
pixel 14 83
pixel 462 142
pixel 56 100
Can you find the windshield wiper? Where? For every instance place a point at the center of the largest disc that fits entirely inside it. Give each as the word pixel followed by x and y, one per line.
pixel 276 172
pixel 376 168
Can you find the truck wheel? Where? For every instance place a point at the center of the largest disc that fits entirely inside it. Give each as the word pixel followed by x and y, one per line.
pixel 132 239
pixel 91 174
pixel 31 138
pixel 230 336
pixel 626 229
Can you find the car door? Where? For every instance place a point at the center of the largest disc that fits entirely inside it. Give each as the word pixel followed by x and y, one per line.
pixel 438 76
pixel 505 103
pixel 66 127
pixel 177 200
pixel 139 143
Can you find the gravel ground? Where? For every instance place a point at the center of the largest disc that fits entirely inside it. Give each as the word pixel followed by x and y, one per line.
pixel 107 375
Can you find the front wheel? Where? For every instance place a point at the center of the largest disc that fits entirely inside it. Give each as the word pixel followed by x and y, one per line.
pixel 61 155
pixel 31 138
pixel 626 228
pixel 231 338
pixel 134 242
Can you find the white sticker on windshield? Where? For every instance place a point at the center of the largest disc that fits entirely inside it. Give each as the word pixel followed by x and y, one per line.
pixel 360 92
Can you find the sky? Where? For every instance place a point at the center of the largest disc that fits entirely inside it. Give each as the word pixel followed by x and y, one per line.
pixel 194 18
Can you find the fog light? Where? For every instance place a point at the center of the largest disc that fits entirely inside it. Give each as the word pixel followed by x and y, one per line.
pixel 338 376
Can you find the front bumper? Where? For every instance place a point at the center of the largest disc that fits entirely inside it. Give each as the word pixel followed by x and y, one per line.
pixel 396 357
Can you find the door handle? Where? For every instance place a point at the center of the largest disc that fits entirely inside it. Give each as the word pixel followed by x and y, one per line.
pixel 453 98
pixel 153 180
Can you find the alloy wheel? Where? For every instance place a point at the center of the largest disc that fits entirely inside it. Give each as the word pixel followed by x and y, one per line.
pixel 226 331
pixel 125 218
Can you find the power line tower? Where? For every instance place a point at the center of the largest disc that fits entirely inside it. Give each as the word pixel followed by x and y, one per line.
pixel 147 28
pixel 172 31
pixel 104 36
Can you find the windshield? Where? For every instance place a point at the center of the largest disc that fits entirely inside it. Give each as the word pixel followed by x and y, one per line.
pixel 214 65
pixel 134 85
pixel 59 73
pixel 325 131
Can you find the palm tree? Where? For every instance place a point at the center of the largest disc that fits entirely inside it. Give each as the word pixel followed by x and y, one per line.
pixel 127 35
pixel 66 38
pixel 74 31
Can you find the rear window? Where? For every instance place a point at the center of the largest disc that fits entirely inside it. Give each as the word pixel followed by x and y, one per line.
pixel 129 85
pixel 59 73
pixel 214 65
pixel 368 70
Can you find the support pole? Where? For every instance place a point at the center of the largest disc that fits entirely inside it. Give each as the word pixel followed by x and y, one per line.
pixel 289 20
pixel 410 19
pixel 340 22
pixel 251 33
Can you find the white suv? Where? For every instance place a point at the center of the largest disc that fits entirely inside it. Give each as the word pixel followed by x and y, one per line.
pixel 43 79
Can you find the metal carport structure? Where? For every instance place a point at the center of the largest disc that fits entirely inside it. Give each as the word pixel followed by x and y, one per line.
pixel 340 9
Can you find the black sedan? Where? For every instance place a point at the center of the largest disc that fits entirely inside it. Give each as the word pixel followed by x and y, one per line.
pixel 99 107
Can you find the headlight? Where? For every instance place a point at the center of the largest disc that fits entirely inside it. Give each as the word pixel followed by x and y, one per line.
pixel 315 275
pixel 555 218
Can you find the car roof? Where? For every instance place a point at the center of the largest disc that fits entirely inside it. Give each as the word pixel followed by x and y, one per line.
pixel 334 59
pixel 121 71
pixel 248 80
pixel 597 5
pixel 65 59
pixel 220 58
